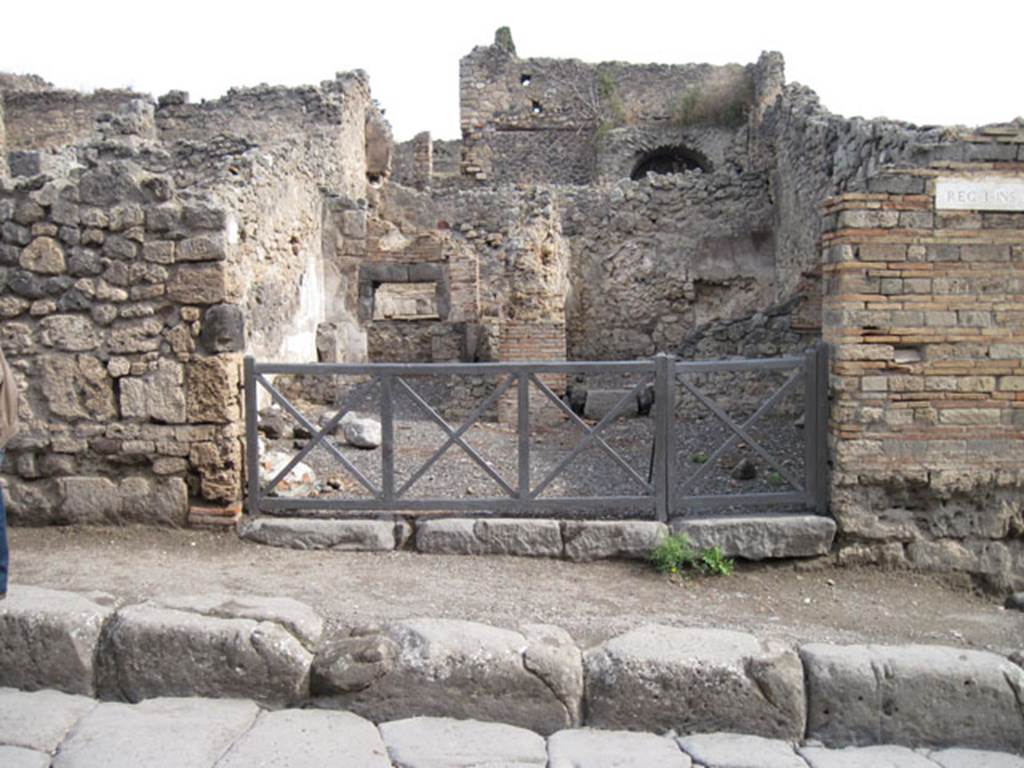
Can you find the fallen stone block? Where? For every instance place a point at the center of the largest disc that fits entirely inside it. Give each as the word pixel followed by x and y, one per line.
pixel 529 538
pixel 20 757
pixel 734 750
pixel 361 431
pixel 974 758
pixel 305 738
pixel 594 540
pixel 344 535
pixel 600 403
pixel 694 681
pixel 40 720
pixel 160 733
pixel 854 757
pixel 217 646
pixel 449 668
pixel 49 638
pixel 432 742
pixel 917 695
pixel 589 748
pixel 761 538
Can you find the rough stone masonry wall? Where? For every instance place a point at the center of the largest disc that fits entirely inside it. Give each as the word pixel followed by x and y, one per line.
pixel 134 279
pixel 925 310
pixel 111 281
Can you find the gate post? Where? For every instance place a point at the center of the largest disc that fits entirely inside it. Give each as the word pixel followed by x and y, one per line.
pixel 664 433
pixel 252 447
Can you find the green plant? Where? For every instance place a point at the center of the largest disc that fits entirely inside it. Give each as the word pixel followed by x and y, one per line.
pixel 774 478
pixel 676 555
pixel 699 457
pixel 724 102
pixel 712 561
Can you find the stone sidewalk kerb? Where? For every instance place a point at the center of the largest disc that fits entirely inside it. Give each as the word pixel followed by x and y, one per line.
pixel 685 680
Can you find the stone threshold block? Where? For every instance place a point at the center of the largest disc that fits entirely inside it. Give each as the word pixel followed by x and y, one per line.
pixel 490 536
pixel 341 535
pixel 436 742
pixel 916 695
pixel 532 678
pixel 50 638
pixel 219 646
pixel 20 757
pixel 602 539
pixel 659 678
pixel 159 733
pixel 761 537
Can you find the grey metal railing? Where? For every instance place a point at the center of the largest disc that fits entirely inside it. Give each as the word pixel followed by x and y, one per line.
pixel 660 493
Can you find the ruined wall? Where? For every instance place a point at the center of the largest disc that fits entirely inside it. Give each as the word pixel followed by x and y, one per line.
pixel 136 275
pixel 111 281
pixel 46 119
pixel 546 120
pixel 925 309
pixel 655 259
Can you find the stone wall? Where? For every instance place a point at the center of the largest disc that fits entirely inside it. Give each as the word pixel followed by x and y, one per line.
pixel 136 274
pixel 923 306
pixel 546 120
pixel 112 282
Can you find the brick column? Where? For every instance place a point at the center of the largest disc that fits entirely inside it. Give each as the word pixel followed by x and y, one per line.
pixel 925 310
pixel 528 342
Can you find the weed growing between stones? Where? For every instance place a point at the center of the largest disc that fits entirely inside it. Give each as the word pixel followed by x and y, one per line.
pixel 677 555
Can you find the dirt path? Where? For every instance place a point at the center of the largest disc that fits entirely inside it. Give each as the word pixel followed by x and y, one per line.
pixel 592 601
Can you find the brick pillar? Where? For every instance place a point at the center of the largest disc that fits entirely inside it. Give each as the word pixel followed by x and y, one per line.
pixel 528 342
pixel 924 307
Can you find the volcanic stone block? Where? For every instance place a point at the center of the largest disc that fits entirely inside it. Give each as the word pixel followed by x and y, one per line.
pixel 600 403
pixel 433 742
pixel 198 284
pixel 304 738
pixel 852 757
pixel 694 681
pixel 39 720
pixel 50 638
pixel 760 538
pixel 915 695
pixel 593 540
pixel 157 396
pixel 344 535
pixel 534 538
pixel 448 668
pixel 19 757
pixel 974 758
pixel 43 255
pixel 213 390
pixel 218 646
pixel 588 748
pixel 734 750
pixel 162 733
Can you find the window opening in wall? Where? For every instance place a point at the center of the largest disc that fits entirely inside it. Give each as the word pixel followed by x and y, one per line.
pixel 537 108
pixel 405 301
pixel 524 80
pixel 669 160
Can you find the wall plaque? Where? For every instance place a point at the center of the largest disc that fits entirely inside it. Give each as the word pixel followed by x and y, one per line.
pixel 981 193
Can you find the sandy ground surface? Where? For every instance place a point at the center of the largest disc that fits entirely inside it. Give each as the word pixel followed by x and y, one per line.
pixel 591 600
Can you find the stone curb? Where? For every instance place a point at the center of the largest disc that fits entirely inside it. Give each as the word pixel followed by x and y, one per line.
pixel 79 732
pixel 751 538
pixel 687 680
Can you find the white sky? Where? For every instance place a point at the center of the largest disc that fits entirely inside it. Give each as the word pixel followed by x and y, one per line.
pixel 937 62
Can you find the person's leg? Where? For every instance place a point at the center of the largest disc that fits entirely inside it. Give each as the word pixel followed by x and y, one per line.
pixel 3 541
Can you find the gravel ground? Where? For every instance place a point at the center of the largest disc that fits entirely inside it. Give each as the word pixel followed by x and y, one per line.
pixel 593 601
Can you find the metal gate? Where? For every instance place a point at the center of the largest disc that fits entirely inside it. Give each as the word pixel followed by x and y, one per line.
pixel 660 493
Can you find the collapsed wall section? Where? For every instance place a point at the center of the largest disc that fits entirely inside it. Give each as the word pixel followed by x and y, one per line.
pixel 924 305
